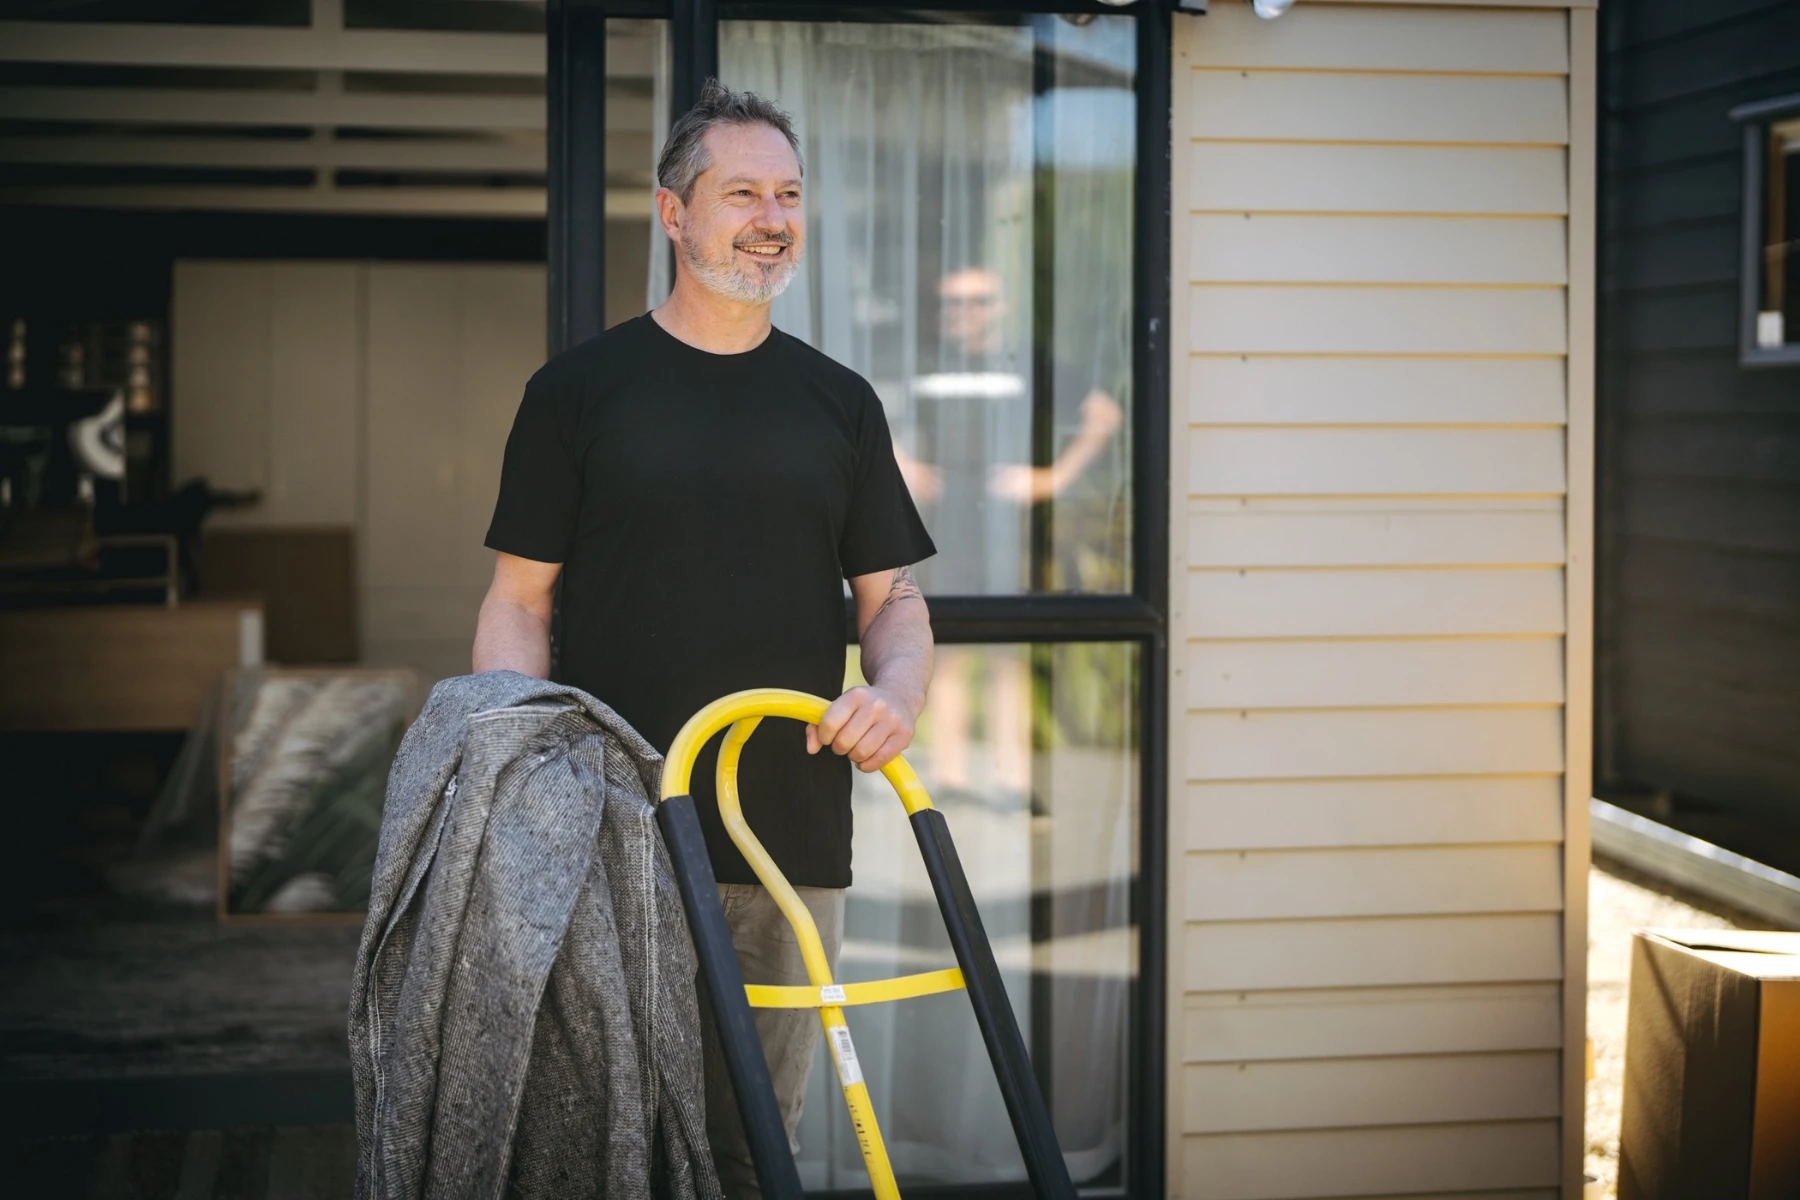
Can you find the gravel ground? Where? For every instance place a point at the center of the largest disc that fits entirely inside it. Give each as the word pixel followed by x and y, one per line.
pixel 1619 901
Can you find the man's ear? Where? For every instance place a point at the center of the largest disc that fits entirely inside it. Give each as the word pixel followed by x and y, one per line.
pixel 669 211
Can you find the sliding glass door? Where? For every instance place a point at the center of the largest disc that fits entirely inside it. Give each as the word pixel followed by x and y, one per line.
pixel 986 200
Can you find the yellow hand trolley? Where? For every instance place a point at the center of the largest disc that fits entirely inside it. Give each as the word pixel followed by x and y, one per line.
pixel 732 1001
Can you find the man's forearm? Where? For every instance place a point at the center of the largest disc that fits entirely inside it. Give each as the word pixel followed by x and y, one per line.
pixel 510 637
pixel 897 645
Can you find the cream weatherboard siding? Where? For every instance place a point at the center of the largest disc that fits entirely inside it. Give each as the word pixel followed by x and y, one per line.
pixel 1382 434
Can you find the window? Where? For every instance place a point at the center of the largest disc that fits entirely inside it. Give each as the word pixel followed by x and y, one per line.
pixel 1771 267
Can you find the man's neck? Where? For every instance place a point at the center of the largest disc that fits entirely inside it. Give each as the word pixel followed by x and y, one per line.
pixel 710 322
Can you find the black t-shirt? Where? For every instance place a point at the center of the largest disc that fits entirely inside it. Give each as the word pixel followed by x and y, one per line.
pixel 707 508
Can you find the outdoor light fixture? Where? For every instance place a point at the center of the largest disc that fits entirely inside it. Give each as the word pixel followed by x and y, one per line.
pixel 1268 10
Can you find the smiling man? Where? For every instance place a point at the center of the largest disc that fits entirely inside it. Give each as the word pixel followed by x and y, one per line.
pixel 703 484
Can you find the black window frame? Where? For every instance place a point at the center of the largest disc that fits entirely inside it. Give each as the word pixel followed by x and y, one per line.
pixel 1756 119
pixel 577 54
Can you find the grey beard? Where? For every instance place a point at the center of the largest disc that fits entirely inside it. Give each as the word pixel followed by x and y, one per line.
pixel 726 280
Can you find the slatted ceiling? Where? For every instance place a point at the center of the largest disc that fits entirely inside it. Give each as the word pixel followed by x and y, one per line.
pixel 1266 248
pixel 1311 813
pixel 1343 673
pixel 1375 320
pixel 1400 538
pixel 1373 952
pixel 1346 1093
pixel 1274 177
pixel 1261 604
pixel 1387 39
pixel 1233 1027
pixel 1288 461
pixel 1241 390
pixel 1349 742
pixel 1375 882
pixel 1420 1162
pixel 1284 106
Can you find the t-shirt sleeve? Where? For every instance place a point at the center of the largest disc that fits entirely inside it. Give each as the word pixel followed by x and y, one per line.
pixel 540 481
pixel 882 529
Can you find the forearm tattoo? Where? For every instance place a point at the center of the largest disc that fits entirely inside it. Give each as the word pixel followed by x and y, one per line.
pixel 902 587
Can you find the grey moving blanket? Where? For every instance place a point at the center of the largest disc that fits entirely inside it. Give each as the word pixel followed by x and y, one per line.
pixel 523 1020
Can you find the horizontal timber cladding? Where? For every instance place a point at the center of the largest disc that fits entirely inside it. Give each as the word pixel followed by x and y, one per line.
pixel 1373 952
pixel 1349 1092
pixel 1353 673
pixel 1252 604
pixel 1395 534
pixel 1317 743
pixel 1315 390
pixel 1377 262
pixel 1331 1023
pixel 1279 177
pixel 1296 319
pixel 1251 815
pixel 1307 248
pixel 1420 1162
pixel 1699 530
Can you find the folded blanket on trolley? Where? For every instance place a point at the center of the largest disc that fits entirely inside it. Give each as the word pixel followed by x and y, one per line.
pixel 523 1019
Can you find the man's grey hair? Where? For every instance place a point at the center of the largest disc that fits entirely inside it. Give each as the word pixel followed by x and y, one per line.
pixel 684 154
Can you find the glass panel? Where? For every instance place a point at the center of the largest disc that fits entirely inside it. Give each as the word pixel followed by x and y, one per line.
pixel 637 115
pixel 1031 752
pixel 969 207
pixel 1778 314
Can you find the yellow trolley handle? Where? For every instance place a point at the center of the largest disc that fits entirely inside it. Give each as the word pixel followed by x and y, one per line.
pixel 732 1001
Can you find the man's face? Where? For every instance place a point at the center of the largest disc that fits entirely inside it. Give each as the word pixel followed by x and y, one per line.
pixel 970 309
pixel 743 232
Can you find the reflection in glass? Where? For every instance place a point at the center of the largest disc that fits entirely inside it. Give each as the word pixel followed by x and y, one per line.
pixel 1032 754
pixel 969 208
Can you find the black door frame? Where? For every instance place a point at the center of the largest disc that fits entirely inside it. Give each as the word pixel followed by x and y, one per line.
pixel 576 97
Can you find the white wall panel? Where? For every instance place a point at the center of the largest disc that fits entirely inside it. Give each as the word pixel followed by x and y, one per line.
pixel 314 394
pixel 220 332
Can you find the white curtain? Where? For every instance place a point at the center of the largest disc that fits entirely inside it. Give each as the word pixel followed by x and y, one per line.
pixel 923 145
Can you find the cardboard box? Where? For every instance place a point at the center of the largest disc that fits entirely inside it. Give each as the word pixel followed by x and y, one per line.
pixel 1712 1067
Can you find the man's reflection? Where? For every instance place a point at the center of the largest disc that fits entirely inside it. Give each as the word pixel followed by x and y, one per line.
pixel 970 469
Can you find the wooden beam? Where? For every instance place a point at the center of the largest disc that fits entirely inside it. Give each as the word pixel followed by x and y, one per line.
pixel 315 49
pixel 373 110
pixel 371 153
pixel 621 203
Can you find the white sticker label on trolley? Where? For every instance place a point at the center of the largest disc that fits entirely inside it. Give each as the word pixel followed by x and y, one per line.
pixel 831 993
pixel 844 1050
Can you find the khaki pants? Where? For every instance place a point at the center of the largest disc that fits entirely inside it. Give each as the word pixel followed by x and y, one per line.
pixel 767 953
